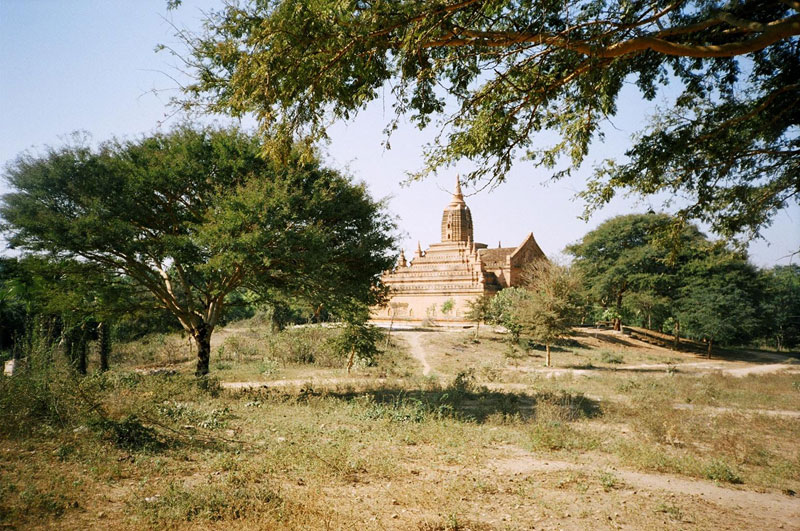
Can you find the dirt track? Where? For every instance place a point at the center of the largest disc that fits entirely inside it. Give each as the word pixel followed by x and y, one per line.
pixel 743 508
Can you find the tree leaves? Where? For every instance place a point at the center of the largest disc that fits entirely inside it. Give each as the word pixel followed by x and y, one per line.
pixel 518 68
pixel 194 214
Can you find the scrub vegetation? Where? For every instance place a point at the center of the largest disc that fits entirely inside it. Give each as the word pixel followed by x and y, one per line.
pixel 616 431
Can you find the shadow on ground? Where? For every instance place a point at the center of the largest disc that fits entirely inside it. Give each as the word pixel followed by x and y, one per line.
pixel 460 402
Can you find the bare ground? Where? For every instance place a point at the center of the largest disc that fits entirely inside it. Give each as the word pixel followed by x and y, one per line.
pixel 684 502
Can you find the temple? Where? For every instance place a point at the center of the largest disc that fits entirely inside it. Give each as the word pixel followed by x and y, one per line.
pixel 439 283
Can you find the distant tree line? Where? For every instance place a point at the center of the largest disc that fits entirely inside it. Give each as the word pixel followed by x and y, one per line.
pixel 630 271
pixel 633 273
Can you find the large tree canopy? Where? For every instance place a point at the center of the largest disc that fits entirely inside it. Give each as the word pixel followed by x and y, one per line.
pixel 706 290
pixel 195 214
pixel 513 68
pixel 626 257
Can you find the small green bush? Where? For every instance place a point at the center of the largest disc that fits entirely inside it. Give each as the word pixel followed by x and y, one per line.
pixel 610 357
pixel 128 434
pixel 719 470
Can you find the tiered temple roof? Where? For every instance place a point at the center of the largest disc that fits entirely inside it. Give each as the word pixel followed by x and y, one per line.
pixel 457 269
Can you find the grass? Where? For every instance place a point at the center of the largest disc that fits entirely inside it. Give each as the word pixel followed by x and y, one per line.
pixel 136 450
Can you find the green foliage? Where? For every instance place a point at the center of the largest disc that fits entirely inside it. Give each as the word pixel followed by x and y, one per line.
pixel 719 470
pixel 551 308
pixel 225 500
pixel 610 357
pixel 44 391
pixel 360 340
pixel 303 345
pixel 719 299
pixel 195 214
pixel 480 309
pixel 503 310
pixel 513 70
pixel 128 433
pixel 781 306
pixel 447 306
pixel 631 255
pixel 700 288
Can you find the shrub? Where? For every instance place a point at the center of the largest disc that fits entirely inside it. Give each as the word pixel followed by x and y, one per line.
pixel 47 391
pixel 718 470
pixel 128 434
pixel 610 357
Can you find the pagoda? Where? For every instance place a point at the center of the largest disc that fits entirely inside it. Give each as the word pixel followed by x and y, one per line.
pixel 439 283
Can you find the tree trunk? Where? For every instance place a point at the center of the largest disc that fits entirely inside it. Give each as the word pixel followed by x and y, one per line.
pixel 202 336
pixel 104 342
pixel 618 308
pixel 82 348
pixel 710 341
pixel 477 329
pixel 75 343
pixel 351 359
pixel 547 358
pixel 677 335
pixel 389 334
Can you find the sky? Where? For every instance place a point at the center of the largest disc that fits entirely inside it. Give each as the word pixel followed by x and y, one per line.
pixel 91 65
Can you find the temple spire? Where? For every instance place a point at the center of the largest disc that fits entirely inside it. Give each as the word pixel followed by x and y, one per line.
pixel 456 218
pixel 457 195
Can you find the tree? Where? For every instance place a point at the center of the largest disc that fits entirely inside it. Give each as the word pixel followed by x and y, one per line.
pixel 194 214
pixel 480 309
pixel 627 255
pixel 358 338
pixel 647 304
pixel 719 300
pixel 447 306
pixel 13 311
pixel 553 306
pixel 503 310
pixel 780 305
pixel 499 72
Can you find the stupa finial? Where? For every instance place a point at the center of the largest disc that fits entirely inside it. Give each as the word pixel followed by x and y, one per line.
pixel 457 193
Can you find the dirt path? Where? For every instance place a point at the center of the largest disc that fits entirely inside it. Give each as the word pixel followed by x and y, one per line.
pixel 759 369
pixel 303 382
pixel 715 409
pixel 414 340
pixel 774 509
pixel 701 367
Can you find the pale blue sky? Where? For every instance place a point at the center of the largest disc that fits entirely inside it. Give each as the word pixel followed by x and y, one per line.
pixel 90 65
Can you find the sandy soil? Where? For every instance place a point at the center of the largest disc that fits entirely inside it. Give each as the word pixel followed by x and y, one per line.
pixel 416 349
pixel 770 510
pixel 635 491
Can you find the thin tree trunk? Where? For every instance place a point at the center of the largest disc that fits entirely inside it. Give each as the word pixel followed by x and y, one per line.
pixel 82 348
pixel 351 359
pixel 547 358
pixel 202 336
pixel 75 342
pixel 710 341
pixel 104 341
pixel 677 335
pixel 617 320
pixel 389 334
